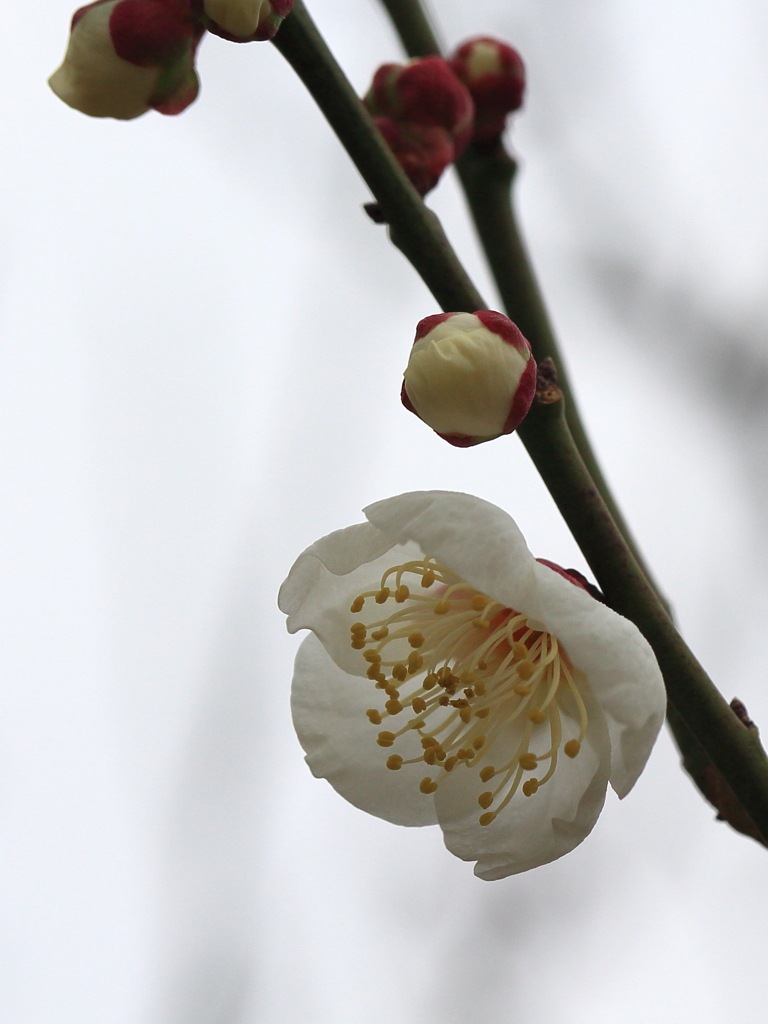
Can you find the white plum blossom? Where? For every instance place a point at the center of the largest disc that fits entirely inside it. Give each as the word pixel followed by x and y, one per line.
pixel 470 376
pixel 452 678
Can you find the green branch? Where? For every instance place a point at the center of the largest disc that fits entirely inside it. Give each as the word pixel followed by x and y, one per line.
pixel 487 176
pixel 545 433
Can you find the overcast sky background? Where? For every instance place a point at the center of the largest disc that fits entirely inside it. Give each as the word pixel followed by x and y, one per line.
pixel 202 340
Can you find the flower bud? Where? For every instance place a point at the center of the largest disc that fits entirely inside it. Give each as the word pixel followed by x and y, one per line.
pixel 243 21
pixel 470 376
pixel 127 56
pixel 423 151
pixel 495 76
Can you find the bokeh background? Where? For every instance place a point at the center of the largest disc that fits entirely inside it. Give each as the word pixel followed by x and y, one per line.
pixel 202 343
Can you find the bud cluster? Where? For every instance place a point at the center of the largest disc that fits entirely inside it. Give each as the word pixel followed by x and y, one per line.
pixel 126 57
pixel 425 115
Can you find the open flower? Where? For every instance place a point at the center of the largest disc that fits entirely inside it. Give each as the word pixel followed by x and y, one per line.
pixel 452 678
pixel 127 56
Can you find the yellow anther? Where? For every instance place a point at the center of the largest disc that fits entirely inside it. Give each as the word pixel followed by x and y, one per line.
pixel 428 741
pixel 380 634
pixel 482 665
pixel 428 578
pixel 487 773
pixel 374 672
pixel 427 785
pixel 488 817
pixel 373 656
pixel 430 755
pixel 358 643
pixel 381 682
pixel 374 716
pixel 521 689
pixel 358 627
pixel 402 594
pixel 530 786
pixel 571 748
pixel 465 754
pixel 442 607
pixel 394 761
pixel 537 715
pixel 519 651
pixel 451 763
pixel 481 623
pixel 419 705
pixel 528 761
pixel 394 707
pixel 465 714
pixel 439 753
pixel 399 672
pixel 385 739
pixel 466 678
pixel 417 724
pixel 391 691
pixel 357 604
pixel 430 681
pixel 416 639
pixel 479 688
pixel 478 602
pixel 383 595
pixel 478 742
pixel 444 675
pixel 525 669
pixel 415 662
pixel 469 693
pixel 485 799
pixel 483 713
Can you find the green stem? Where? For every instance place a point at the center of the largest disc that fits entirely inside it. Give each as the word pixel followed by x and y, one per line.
pixel 487 175
pixel 544 433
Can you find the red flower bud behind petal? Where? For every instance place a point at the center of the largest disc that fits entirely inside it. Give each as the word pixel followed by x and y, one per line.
pixel 154 33
pixel 495 76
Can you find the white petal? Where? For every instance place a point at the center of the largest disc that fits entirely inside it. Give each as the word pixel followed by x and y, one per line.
pixel 94 80
pixel 533 830
pixel 328 708
pixel 619 664
pixel 325 579
pixel 476 540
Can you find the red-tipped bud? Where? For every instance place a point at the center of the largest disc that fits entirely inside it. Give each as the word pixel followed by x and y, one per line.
pixel 470 376
pixel 495 76
pixel 127 56
pixel 243 21
pixel 423 151
pixel 423 92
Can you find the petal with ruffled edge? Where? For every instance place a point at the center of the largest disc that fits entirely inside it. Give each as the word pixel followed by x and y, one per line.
pixel 328 707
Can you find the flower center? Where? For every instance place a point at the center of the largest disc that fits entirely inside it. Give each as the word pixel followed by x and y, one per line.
pixel 470 674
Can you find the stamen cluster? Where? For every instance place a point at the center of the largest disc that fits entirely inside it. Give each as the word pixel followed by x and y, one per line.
pixel 467 672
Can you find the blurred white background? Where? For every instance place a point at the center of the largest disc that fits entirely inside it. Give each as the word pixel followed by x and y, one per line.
pixel 202 338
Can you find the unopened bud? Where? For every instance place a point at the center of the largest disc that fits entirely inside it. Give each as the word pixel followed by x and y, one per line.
pixel 243 21
pixel 495 76
pixel 423 151
pixel 127 56
pixel 470 376
pixel 424 113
